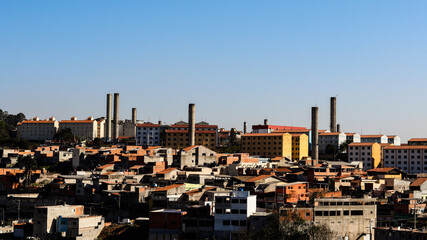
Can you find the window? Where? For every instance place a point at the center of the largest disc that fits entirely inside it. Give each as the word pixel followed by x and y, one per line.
pixel 356 212
pixel 235 222
pixel 226 222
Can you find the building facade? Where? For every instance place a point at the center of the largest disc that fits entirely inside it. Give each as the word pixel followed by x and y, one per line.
pixel 179 138
pixel 299 146
pixel 232 213
pixel 38 130
pixel 268 144
pixel 332 141
pixel 83 129
pixel 148 134
pixel 411 159
pixel 374 138
pixel 349 218
pixel 367 153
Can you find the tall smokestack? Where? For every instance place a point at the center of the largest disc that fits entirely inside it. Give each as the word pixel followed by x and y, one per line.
pixel 265 121
pixel 333 126
pixel 134 115
pixel 314 133
pixel 191 124
pixel 108 116
pixel 245 127
pixel 116 116
pixel 338 128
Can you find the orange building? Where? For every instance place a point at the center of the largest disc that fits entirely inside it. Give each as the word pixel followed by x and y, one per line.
pixel 291 192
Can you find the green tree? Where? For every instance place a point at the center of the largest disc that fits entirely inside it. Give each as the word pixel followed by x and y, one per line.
pixel 65 135
pixel 29 164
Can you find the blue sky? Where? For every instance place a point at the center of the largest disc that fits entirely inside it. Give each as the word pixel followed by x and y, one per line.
pixel 237 60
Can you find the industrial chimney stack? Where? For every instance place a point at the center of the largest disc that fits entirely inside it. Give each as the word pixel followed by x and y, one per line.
pixel 108 117
pixel 333 126
pixel 265 122
pixel 338 128
pixel 314 134
pixel 191 125
pixel 116 116
pixel 134 115
pixel 245 127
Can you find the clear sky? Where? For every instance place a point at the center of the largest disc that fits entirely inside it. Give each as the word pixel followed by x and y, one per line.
pixel 237 60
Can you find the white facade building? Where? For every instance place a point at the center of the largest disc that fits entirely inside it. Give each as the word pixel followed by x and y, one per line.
pixel 374 138
pixel 38 130
pixel 332 139
pixel 84 129
pixel 148 134
pixel 352 137
pixel 393 139
pixel 411 159
pixel 100 131
pixel 232 213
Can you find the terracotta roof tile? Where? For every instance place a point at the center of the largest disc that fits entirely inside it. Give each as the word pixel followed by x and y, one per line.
pixel 168 187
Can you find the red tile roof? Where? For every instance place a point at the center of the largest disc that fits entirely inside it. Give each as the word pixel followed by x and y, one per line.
pixel 190 147
pixel 186 131
pixel 362 144
pixel 258 178
pixel 418 182
pixel 417 140
pixel 263 134
pixel 197 126
pixel 371 136
pixel 381 169
pixel 148 125
pixel 168 187
pixel 392 147
pixel 167 170
pixel 329 133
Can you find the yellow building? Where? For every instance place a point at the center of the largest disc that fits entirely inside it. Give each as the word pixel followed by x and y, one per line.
pixel 179 138
pixel 299 146
pixel 367 153
pixel 268 144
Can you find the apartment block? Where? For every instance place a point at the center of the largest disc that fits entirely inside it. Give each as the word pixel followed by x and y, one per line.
pixel 291 192
pixel 268 144
pixel 331 140
pixel 38 130
pixel 148 134
pixel 299 146
pixel 374 138
pixel 179 138
pixel 393 139
pixel 100 128
pixel 275 128
pixel 367 153
pixel 83 129
pixel 68 221
pixel 232 213
pixel 417 141
pixel 411 159
pixel 348 218
pixel 352 137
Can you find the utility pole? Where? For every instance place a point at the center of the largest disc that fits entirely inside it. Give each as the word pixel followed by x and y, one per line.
pixel 415 215
pixel 19 209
